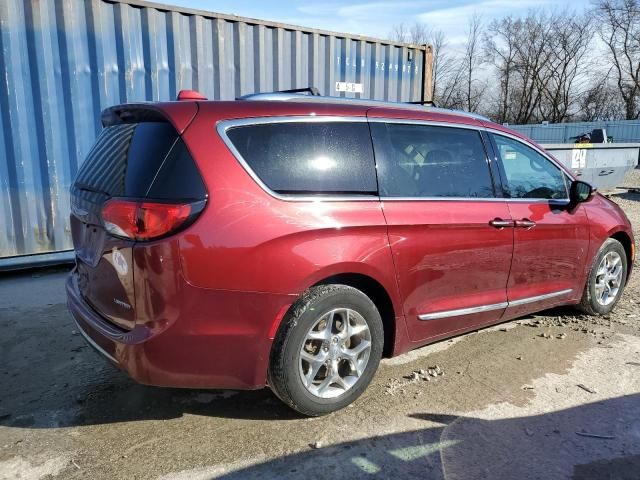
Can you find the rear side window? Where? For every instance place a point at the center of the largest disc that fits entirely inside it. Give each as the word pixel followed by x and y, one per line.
pixel 104 170
pixel 308 157
pixel 431 161
pixel 140 160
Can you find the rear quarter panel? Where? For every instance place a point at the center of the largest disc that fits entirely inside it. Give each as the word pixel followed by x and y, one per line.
pixel 248 240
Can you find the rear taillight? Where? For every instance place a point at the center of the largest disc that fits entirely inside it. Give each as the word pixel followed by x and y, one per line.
pixel 140 220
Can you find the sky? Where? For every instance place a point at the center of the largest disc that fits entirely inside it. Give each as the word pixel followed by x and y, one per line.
pixel 376 18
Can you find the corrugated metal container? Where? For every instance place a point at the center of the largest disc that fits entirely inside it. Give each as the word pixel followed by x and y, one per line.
pixel 63 61
pixel 624 131
pixel 603 165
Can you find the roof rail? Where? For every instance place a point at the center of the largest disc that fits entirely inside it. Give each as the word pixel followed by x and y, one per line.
pixel 311 90
pixel 293 96
pixel 427 103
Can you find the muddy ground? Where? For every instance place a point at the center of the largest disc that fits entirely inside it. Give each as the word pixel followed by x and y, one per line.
pixel 555 395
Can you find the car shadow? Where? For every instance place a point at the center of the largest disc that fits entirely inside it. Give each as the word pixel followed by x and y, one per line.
pixel 62 382
pixel 51 378
pixel 589 442
pixel 118 399
pixel 560 311
pixel 631 194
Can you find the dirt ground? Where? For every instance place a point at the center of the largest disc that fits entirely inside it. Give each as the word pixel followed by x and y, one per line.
pixel 554 395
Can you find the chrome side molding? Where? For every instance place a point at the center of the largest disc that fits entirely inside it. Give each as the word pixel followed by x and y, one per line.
pixel 463 311
pixel 494 306
pixel 524 301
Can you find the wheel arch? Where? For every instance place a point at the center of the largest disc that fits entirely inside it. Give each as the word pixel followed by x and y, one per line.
pixel 378 295
pixel 628 246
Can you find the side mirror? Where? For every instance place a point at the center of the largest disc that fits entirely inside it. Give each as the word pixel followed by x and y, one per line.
pixel 580 192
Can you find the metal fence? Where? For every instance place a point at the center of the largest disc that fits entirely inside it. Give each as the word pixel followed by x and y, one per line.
pixel 63 61
pixel 624 131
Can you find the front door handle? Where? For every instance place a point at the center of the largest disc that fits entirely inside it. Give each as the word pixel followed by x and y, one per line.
pixel 525 223
pixel 499 223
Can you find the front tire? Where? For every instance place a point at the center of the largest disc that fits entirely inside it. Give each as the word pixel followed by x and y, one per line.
pixel 606 280
pixel 327 350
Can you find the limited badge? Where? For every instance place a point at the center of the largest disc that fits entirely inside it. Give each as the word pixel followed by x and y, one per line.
pixel 119 262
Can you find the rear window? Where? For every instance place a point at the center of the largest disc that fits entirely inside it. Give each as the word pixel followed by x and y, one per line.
pixel 140 160
pixel 308 157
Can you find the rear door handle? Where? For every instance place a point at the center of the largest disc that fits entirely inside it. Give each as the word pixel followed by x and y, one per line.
pixel 499 223
pixel 525 223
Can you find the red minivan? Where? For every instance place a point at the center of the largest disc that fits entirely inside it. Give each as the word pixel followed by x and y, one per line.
pixel 292 241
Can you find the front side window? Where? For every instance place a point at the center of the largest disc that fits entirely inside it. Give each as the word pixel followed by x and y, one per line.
pixel 528 173
pixel 430 161
pixel 309 157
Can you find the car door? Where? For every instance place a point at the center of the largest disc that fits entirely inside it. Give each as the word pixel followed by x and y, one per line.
pixel 450 237
pixel 550 238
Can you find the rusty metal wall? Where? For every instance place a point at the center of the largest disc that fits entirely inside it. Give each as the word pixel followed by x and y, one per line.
pixel 63 61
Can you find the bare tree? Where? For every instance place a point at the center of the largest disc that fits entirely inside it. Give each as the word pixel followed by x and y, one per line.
pixel 532 52
pixel 601 102
pixel 540 62
pixel 471 61
pixel 452 91
pixel 442 62
pixel 415 34
pixel 420 34
pixel 503 50
pixel 456 83
pixel 500 49
pixel 400 33
pixel 567 65
pixel 524 69
pixel 461 89
pixel 619 22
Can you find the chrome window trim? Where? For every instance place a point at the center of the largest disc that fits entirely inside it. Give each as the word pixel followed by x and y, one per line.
pixel 480 128
pixel 552 201
pixel 225 125
pixel 483 128
pixel 431 123
pixel 428 123
pixel 494 306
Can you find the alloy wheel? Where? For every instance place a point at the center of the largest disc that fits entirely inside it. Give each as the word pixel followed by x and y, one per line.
pixel 608 278
pixel 335 353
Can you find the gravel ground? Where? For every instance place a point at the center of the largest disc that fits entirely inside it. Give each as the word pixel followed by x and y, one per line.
pixel 553 395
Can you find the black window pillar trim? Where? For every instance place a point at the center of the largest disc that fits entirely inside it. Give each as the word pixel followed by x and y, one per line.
pixel 496 164
pixel 492 164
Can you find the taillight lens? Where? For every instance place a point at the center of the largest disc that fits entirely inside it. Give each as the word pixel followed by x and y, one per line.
pixel 140 220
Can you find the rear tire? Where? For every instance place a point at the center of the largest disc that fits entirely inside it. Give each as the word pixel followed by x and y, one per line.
pixel 327 350
pixel 607 279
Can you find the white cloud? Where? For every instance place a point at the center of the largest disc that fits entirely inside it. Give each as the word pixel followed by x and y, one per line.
pixel 454 20
pixel 369 9
pixel 376 18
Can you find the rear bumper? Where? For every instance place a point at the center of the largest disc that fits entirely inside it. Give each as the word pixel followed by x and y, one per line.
pixel 116 345
pixel 218 341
